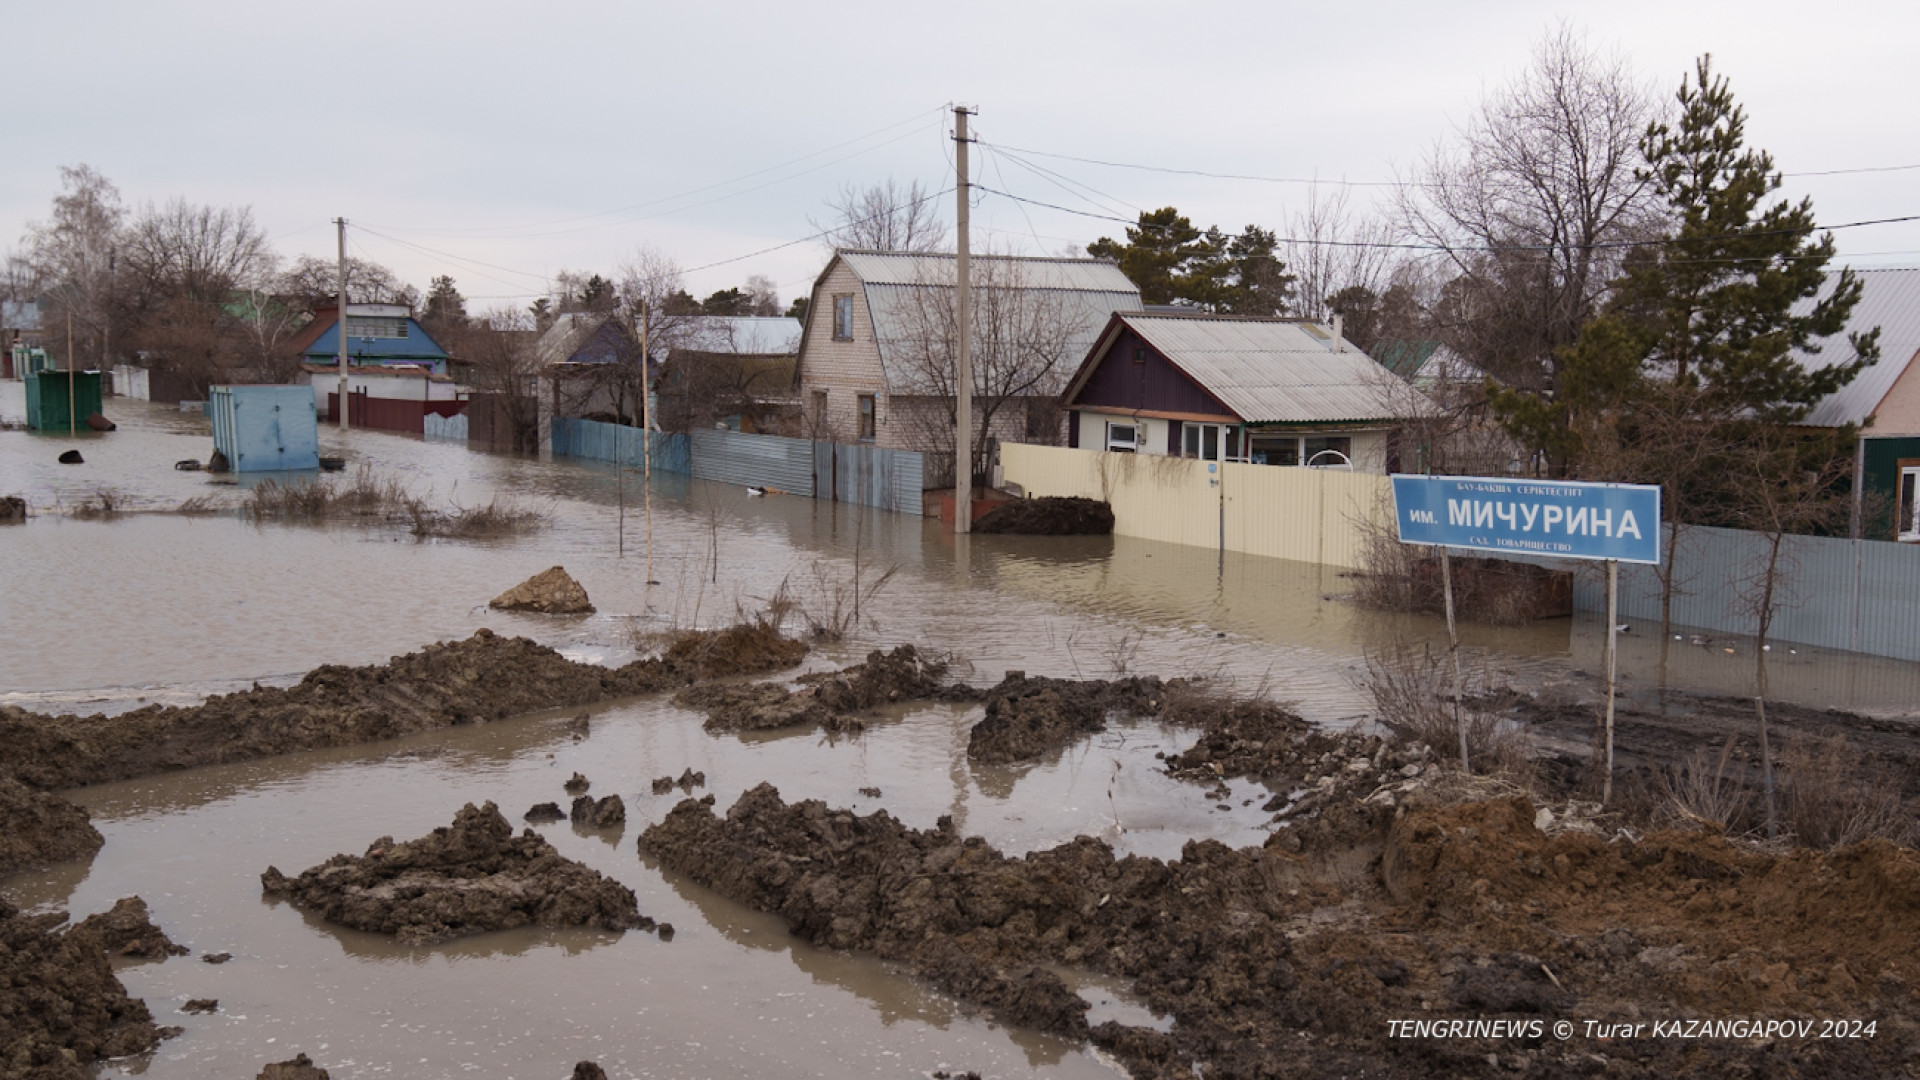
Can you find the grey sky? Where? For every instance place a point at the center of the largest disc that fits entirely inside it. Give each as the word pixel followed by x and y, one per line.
pixel 487 130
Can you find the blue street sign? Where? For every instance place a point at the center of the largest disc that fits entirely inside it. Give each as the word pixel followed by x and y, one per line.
pixel 1559 518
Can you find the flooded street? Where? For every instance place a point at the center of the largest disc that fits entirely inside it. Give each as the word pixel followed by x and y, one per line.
pixel 107 614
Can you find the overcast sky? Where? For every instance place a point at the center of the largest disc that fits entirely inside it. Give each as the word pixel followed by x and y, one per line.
pixel 500 143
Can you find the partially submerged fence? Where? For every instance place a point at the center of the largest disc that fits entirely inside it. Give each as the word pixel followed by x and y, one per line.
pixel 1856 595
pixel 1308 515
pixel 886 479
pixel 437 428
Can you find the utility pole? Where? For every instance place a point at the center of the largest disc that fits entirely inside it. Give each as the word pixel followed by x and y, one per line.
pixel 963 355
pixel 73 425
pixel 646 438
pixel 340 225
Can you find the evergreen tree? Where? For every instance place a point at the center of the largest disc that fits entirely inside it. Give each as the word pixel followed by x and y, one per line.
pixel 446 309
pixel 1173 262
pixel 1705 317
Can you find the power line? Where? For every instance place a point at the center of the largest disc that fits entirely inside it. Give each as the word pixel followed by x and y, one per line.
pixel 518 232
pixel 1361 183
pixel 1490 248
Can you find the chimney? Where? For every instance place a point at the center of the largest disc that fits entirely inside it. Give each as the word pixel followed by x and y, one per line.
pixel 1339 325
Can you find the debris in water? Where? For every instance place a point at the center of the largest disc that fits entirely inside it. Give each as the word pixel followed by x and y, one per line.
pixel 552 591
pixel 578 785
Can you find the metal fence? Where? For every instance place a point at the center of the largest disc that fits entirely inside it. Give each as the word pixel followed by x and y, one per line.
pixel 1856 595
pixel 437 428
pixel 596 441
pixel 770 461
pixel 870 476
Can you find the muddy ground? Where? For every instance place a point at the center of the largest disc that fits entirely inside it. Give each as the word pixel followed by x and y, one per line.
pixel 464 878
pixel 38 827
pixel 61 1007
pixel 1048 516
pixel 486 677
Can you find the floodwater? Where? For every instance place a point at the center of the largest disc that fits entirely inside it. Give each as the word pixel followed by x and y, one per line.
pixel 102 615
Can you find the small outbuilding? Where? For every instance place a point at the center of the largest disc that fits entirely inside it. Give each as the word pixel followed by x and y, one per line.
pixel 1267 391
pixel 265 428
pixel 61 400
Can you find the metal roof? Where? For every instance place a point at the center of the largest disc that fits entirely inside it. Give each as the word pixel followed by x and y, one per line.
pixel 1080 296
pixel 936 268
pixel 1890 300
pixel 744 335
pixel 1278 370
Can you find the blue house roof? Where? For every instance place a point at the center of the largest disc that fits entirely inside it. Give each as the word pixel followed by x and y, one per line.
pixel 417 347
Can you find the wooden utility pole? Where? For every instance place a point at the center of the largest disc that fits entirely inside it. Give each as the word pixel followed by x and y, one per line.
pixel 963 353
pixel 646 438
pixel 1453 654
pixel 340 226
pixel 73 425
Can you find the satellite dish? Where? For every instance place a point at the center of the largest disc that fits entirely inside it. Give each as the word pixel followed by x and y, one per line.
pixel 1334 459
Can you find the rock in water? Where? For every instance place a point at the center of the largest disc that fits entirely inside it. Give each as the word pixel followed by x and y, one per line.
pixel 127 930
pixel 551 591
pixel 546 811
pixel 13 509
pixel 72 457
pixel 300 1068
pixel 472 876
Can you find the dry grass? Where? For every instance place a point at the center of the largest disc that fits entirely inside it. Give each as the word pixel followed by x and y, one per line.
pixel 1414 693
pixel 103 504
pixel 1836 795
pixel 200 506
pixel 367 499
pixel 1707 790
pixel 833 610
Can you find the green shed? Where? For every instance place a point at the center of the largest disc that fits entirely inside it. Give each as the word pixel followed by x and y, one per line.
pixel 47 404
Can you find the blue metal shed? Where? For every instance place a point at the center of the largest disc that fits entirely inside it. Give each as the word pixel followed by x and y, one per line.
pixel 265 428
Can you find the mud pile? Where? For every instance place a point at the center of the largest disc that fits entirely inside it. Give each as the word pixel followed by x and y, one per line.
pixel 126 931
pixel 61 1008
pixel 1028 718
pixel 37 827
pixel 829 700
pixel 486 677
pixel 551 591
pixel 301 1067
pixel 472 876
pixel 1049 516
pixel 1290 960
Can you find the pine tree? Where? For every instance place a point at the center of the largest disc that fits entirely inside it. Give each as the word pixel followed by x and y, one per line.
pixel 1707 314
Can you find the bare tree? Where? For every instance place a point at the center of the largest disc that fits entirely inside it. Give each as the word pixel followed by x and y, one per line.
pixel 312 281
pixel 183 266
pixel 884 217
pixel 1026 342
pixel 1329 251
pixel 71 259
pixel 763 296
pixel 1526 200
pixel 498 347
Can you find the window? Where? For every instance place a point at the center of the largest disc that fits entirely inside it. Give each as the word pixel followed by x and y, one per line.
pixel 1274 449
pixel 376 326
pixel 843 317
pixel 1909 527
pixel 1139 354
pixel 1210 442
pixel 1331 453
pixel 867 425
pixel 1123 438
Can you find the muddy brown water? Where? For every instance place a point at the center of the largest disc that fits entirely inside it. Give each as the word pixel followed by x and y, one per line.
pixel 103 615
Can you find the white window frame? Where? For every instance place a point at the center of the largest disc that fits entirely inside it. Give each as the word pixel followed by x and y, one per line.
pixel 843 317
pixel 1907 504
pixel 1129 445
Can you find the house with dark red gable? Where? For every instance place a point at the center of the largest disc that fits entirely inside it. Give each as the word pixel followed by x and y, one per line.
pixel 1267 391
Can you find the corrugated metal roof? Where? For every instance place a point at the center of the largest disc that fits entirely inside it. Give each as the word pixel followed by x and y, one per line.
pixel 1079 295
pixel 1278 371
pixel 1890 300
pixel 902 268
pixel 745 335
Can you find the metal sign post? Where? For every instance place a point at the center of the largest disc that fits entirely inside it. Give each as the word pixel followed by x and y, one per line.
pixel 1557 519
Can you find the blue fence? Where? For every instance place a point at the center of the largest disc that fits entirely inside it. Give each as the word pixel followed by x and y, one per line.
pixel 596 441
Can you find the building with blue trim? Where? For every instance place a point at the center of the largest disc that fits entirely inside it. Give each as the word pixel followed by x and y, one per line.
pixel 378 335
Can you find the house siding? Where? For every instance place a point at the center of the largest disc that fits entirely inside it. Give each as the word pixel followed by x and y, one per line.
pixel 844 370
pixel 1899 411
pixel 1122 385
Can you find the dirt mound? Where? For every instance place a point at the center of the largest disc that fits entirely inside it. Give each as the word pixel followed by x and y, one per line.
pixel 546 811
pixel 829 700
pixel 486 677
pixel 61 1008
pixel 472 876
pixel 1028 718
pixel 553 592
pixel 37 827
pixel 1291 960
pixel 601 814
pixel 301 1067
pixel 127 930
pixel 1048 516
